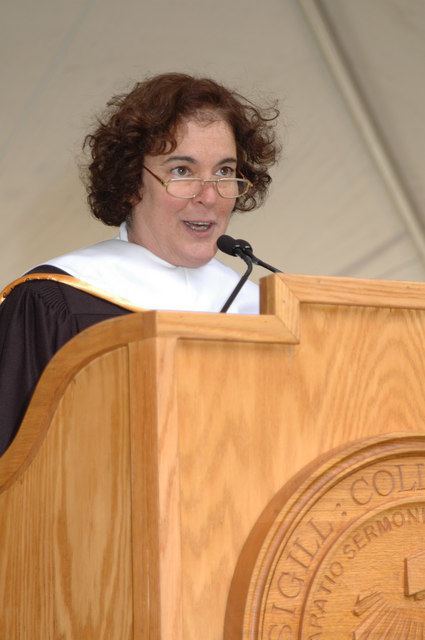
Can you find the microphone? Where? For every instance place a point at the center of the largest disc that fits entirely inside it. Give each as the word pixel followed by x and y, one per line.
pixel 247 249
pixel 228 245
pixel 240 247
pixel 232 247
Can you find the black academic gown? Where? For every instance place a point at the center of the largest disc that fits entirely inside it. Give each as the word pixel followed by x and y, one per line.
pixel 36 319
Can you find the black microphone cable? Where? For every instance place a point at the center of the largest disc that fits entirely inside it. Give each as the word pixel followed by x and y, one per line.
pixel 246 248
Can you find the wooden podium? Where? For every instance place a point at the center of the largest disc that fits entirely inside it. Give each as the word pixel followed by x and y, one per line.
pixel 183 476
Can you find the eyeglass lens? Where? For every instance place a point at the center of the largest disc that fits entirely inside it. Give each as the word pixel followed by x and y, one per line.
pixel 227 188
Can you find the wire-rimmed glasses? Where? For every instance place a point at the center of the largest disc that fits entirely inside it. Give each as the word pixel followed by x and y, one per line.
pixel 187 188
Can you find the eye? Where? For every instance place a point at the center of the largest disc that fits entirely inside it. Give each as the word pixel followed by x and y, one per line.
pixel 227 172
pixel 180 172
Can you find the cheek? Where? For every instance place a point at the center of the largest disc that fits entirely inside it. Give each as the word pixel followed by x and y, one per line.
pixel 227 209
pixel 173 206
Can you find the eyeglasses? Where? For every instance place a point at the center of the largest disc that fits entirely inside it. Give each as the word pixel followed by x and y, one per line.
pixel 192 187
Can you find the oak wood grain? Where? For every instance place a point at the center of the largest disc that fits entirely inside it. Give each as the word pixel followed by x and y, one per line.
pixel 65 533
pixel 118 332
pixel 155 490
pixel 184 427
pixel 354 291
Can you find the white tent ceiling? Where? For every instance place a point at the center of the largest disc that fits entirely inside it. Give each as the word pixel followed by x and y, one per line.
pixel 348 196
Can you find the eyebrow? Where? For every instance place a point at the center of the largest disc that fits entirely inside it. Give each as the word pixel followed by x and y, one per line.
pixel 193 161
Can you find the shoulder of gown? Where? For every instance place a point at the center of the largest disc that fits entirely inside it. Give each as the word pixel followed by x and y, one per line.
pixel 36 319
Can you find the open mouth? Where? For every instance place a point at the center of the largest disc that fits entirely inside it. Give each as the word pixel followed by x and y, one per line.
pixel 198 226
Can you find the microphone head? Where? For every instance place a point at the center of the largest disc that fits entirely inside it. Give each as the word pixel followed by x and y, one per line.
pixel 243 244
pixel 228 245
pixel 233 247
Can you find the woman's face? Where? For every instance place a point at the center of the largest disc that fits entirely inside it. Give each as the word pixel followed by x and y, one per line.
pixel 163 223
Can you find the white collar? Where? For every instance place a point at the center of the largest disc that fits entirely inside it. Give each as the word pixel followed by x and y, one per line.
pixel 128 270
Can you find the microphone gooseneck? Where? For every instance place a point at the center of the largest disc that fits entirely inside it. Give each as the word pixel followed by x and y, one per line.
pixel 242 249
pixel 227 245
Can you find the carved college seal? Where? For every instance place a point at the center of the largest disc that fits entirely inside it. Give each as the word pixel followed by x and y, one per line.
pixel 340 553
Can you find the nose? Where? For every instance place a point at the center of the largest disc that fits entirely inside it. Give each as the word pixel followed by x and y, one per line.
pixel 208 194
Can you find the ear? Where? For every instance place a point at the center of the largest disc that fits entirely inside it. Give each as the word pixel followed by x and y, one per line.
pixel 136 197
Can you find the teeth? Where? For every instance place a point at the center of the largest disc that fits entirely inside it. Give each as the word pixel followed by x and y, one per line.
pixel 199 226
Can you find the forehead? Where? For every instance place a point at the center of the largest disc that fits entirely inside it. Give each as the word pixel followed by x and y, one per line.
pixel 214 137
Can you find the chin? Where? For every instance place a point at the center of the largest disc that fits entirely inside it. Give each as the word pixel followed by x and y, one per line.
pixel 195 261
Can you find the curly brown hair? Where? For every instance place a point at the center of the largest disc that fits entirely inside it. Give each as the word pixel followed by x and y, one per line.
pixel 145 120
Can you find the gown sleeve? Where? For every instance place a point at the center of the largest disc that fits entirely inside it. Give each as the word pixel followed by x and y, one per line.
pixel 34 323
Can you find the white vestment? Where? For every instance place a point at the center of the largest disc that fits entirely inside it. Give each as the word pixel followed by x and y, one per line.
pixel 127 270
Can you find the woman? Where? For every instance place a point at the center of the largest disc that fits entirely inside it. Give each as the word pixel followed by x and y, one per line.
pixel 170 162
